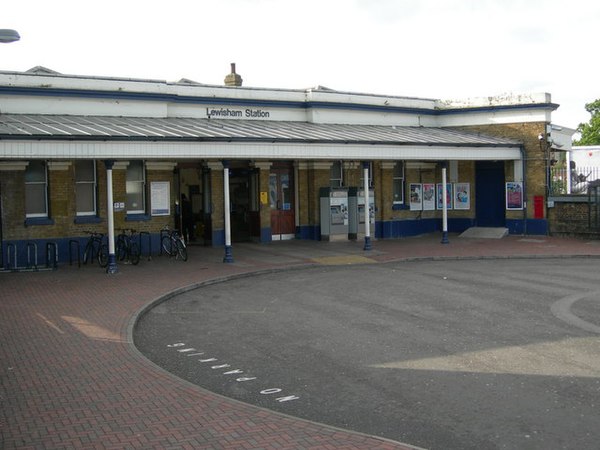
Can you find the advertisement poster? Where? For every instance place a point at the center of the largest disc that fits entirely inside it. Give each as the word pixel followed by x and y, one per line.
pixel 440 199
pixel 416 198
pixel 428 196
pixel 514 195
pixel 462 196
pixel 160 204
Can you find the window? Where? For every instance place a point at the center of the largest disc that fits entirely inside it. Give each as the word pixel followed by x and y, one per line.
pixel 85 188
pixel 362 172
pixel 136 188
pixel 336 175
pixel 36 189
pixel 398 182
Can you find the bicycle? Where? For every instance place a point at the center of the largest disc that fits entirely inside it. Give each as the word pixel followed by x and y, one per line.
pixel 127 247
pixel 172 244
pixel 96 248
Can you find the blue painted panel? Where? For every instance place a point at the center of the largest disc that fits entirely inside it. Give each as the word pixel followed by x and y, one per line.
pixel 537 226
pixel 457 225
pixel 266 235
pixel 308 232
pixel 218 238
pixel 534 226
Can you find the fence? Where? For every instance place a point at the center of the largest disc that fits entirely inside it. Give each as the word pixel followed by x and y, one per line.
pixel 580 179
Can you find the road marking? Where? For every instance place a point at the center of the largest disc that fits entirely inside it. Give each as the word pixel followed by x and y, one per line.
pixel 50 323
pixel 343 260
pixel 571 357
pixel 562 310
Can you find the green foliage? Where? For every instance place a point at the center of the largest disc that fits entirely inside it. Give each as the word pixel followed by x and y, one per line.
pixel 590 132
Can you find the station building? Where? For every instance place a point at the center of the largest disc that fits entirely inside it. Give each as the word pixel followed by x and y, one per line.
pixel 80 153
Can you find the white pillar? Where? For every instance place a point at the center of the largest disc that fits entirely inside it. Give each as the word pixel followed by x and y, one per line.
pixel 228 258
pixel 112 260
pixel 367 204
pixel 444 207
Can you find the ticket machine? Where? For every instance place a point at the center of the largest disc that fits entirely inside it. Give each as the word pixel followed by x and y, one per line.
pixel 357 212
pixel 334 213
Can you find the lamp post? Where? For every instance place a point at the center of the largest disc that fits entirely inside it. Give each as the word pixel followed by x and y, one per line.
pixel 8 36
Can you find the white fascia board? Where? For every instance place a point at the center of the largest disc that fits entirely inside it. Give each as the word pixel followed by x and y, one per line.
pixel 496 100
pixel 60 81
pixel 82 106
pixel 349 117
pixel 460 119
pixel 222 150
pixel 356 98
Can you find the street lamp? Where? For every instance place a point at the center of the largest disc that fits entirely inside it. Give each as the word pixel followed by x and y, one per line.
pixel 8 36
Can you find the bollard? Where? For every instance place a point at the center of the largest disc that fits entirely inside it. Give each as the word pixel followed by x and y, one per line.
pixel 53 246
pixel 32 245
pixel 76 244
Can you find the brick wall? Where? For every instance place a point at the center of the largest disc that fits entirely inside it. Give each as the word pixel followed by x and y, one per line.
pixel 62 204
pixel 535 158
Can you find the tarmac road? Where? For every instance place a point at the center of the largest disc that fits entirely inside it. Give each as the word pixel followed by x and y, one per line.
pixel 479 354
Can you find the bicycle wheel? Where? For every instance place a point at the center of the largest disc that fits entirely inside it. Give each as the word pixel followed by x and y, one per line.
pixel 103 255
pixel 167 245
pixel 181 249
pixel 134 253
pixel 88 253
pixel 121 248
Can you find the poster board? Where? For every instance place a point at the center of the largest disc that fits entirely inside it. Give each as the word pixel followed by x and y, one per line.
pixel 440 199
pixel 462 196
pixel 160 198
pixel 428 196
pixel 514 195
pixel 416 197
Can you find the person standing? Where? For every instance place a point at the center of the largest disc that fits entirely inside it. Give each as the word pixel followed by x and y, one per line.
pixel 187 219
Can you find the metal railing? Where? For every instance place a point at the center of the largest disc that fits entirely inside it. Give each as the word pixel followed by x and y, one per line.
pixel 574 181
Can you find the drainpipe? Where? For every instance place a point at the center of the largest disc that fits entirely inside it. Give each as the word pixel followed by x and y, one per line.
pixel 524 169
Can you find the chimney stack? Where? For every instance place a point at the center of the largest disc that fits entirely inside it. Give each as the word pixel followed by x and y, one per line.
pixel 233 79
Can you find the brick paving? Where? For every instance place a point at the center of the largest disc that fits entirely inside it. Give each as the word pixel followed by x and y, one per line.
pixel 71 378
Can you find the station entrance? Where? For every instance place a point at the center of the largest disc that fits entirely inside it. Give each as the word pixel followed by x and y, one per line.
pixel 281 200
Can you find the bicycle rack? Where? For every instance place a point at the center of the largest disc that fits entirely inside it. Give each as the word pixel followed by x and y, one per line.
pixel 74 243
pixel 32 245
pixel 162 233
pixel 145 233
pixel 49 246
pixel 15 254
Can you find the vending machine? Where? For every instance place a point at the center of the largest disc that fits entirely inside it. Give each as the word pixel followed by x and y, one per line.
pixel 357 212
pixel 334 213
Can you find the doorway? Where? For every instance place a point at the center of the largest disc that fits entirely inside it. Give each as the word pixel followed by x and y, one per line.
pixel 281 199
pixel 489 194
pixel 242 199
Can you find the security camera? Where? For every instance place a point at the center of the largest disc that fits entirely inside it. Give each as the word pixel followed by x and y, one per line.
pixel 540 137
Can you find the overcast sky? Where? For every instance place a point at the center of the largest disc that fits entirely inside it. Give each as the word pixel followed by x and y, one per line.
pixel 445 49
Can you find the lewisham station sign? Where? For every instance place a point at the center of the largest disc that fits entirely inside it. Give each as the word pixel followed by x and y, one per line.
pixel 232 113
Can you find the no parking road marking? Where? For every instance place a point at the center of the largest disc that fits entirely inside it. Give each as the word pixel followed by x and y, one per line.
pixel 182 348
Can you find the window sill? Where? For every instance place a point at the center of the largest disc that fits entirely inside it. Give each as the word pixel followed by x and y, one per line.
pixel 137 218
pixel 87 219
pixel 34 221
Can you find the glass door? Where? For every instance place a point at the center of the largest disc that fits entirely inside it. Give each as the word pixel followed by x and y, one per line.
pixel 281 199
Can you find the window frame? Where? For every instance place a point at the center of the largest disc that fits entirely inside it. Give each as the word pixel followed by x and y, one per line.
pixel 46 213
pixel 371 173
pixel 400 180
pixel 336 182
pixel 141 182
pixel 94 183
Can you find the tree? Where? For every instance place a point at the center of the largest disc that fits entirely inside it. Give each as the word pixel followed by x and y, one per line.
pixel 590 132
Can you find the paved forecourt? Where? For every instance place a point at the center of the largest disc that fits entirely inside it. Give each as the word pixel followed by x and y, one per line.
pixel 71 377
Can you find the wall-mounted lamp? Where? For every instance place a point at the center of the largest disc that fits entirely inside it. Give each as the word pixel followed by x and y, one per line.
pixel 8 36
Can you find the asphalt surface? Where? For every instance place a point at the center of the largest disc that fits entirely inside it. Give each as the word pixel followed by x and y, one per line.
pixel 453 354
